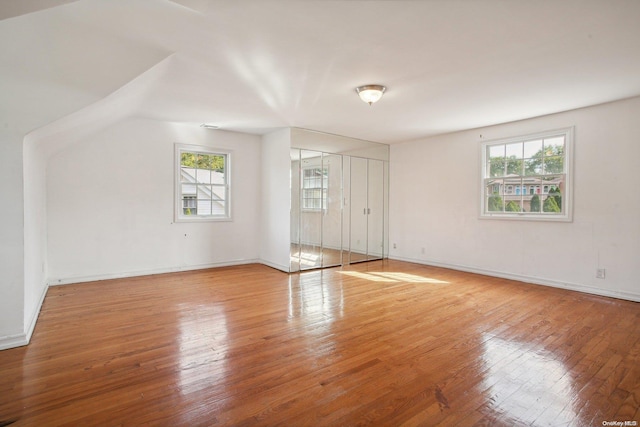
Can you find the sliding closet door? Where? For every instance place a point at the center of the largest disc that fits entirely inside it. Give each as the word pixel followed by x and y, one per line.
pixel 313 185
pixel 337 209
pixel 332 210
pixel 359 214
pixel 375 209
pixel 295 211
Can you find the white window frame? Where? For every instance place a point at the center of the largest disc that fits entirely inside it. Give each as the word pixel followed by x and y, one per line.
pixel 323 190
pixel 567 197
pixel 179 215
pixel 192 203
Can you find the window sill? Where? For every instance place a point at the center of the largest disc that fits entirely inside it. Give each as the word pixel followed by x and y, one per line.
pixel 525 217
pixel 204 219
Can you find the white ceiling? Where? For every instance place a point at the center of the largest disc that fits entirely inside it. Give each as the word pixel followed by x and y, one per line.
pixel 254 66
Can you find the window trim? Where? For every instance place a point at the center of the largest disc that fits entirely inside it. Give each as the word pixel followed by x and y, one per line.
pixel 178 215
pixel 323 190
pixel 567 198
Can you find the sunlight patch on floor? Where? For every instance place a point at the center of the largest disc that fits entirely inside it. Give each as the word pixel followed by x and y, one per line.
pixel 368 276
pixel 393 277
pixel 411 278
pixel 307 259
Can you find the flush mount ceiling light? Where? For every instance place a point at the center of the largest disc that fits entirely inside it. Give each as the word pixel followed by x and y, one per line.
pixel 370 93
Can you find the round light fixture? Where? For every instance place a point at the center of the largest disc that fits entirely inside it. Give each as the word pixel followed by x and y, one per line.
pixel 370 93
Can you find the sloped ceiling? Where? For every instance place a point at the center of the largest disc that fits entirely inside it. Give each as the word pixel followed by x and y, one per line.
pixel 11 8
pixel 257 65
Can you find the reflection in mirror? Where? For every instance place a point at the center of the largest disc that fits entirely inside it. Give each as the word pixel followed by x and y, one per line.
pixel 339 200
pixel 313 195
pixel 332 213
pixel 294 210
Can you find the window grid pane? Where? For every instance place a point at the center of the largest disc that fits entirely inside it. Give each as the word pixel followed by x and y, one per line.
pixel 204 187
pixel 314 188
pixel 526 177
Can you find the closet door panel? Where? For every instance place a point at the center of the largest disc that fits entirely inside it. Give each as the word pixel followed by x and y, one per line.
pixel 375 209
pixel 358 211
pixel 295 211
pixel 312 178
pixel 332 211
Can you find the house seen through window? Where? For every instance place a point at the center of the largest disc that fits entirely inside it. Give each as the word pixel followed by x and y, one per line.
pixel 203 184
pixel 527 176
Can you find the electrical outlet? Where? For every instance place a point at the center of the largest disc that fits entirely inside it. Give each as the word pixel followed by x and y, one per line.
pixel 394 246
pixel 600 273
pixel 422 250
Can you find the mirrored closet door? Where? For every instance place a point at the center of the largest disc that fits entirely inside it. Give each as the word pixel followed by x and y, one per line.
pixel 333 212
pixel 337 209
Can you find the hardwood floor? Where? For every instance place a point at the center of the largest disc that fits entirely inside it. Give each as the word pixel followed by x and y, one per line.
pixel 384 343
pixel 306 257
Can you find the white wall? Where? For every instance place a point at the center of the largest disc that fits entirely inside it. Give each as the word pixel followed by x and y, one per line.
pixel 110 204
pixel 330 143
pixel 275 201
pixel 12 331
pixel 35 232
pixel 435 206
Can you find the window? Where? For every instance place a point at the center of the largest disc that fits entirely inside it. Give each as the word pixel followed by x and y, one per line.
pixel 202 184
pixel 528 164
pixel 189 205
pixel 314 188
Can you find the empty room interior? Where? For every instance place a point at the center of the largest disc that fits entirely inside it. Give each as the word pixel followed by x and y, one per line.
pixel 322 213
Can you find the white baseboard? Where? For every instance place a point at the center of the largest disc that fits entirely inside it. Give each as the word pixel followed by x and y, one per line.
pixel 34 316
pixel 108 276
pixel 12 341
pixel 630 296
pixel 281 267
pixel 19 340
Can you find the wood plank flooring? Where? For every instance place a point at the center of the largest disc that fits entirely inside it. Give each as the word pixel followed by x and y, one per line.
pixel 384 343
pixel 307 257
